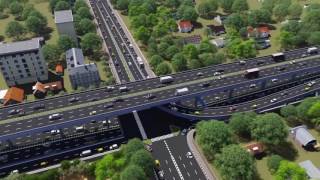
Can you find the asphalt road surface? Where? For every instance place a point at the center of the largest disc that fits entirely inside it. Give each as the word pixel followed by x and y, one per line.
pixel 172 154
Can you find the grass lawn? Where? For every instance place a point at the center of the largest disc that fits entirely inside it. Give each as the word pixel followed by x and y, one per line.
pixel 302 155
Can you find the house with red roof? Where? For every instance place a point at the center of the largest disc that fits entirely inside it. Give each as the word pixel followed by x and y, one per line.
pixel 259 32
pixel 14 95
pixel 185 26
pixel 40 89
pixel 59 69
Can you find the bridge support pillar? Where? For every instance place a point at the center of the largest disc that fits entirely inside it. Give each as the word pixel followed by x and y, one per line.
pixel 200 102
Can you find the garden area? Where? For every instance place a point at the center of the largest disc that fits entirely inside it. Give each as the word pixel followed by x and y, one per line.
pixel 278 151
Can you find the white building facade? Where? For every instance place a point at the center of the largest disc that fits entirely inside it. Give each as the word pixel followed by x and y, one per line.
pixel 64 23
pixel 23 62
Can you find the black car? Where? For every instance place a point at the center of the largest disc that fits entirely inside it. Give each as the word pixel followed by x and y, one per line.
pixel 150 96
pixel 260 62
pixel 38 106
pixel 13 111
pixel 205 84
pixel 109 105
pixel 94 99
pixel 281 68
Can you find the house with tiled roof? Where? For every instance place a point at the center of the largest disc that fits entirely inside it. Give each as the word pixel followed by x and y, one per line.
pixel 40 89
pixel 185 26
pixel 14 95
pixel 217 30
pixel 59 69
pixel 259 32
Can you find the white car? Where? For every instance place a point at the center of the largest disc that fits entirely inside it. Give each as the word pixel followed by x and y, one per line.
pixel 216 73
pixel 273 100
pixel 311 83
pixel 113 146
pixel 274 80
pixel 92 113
pixel 189 155
pixel 55 131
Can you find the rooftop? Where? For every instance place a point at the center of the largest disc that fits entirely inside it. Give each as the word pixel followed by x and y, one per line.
pixel 185 24
pixel 217 29
pixel 15 94
pixel 302 135
pixel 63 16
pixel 74 58
pixel 59 68
pixel 20 46
pixel 195 39
pixel 311 170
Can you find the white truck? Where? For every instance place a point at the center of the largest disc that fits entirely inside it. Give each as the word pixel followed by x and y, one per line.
pixel 182 91
pixel 166 79
pixel 312 50
pixel 140 62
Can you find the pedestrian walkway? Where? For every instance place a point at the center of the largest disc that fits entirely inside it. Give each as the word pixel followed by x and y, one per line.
pixel 140 126
pixel 204 165
pixel 162 137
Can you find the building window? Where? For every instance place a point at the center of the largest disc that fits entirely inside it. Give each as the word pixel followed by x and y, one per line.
pixel 23 60
pixel 37 58
pixel 7 78
pixel 29 74
pixel 25 65
pixel 21 54
pixel 14 56
pixel 21 76
pixel 15 61
pixel 39 63
pixel 41 67
pixel 5 73
pixel 0 63
pixel 27 70
pixel 42 72
pixel 2 68
pixel 18 66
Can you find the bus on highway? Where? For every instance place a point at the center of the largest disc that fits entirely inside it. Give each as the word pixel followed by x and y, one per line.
pixel 252 73
pixel 140 62
pixel 278 57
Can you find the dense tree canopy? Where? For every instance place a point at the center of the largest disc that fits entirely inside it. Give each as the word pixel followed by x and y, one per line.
pixel 65 42
pixel 290 170
pixel 143 159
pixel 61 5
pixel 133 172
pixel 51 52
pixel 207 8
pixel 15 30
pixel 295 10
pixel 84 12
pixel 280 11
pixel 163 69
pixel 16 8
pixel 91 42
pixel 240 6
pixel 85 26
pixel 226 5
pixel 179 63
pixel 213 136
pixel 273 163
pixel 235 162
pixel 155 61
pixel 269 129
pixel 240 122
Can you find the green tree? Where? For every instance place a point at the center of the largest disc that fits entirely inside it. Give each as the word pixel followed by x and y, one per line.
pixel 206 9
pixel 84 12
pixel 91 42
pixel 15 30
pixel 187 13
pixel 179 63
pixel 236 21
pixel 162 47
pixel 290 170
pixel 240 123
pixel 65 165
pixel 5 4
pixel 235 162
pixel 160 30
pixel 288 111
pixel 314 38
pixel 26 11
pixel 79 4
pixel 286 39
pixel 269 129
pixel 213 136
pixel 51 52
pixel 226 5
pixel 163 69
pixel 143 159
pixel 171 51
pixel 239 6
pixel 314 110
pixel 34 25
pixel 61 5
pixel 65 42
pixel 295 10
pixel 132 146
pixel 133 172
pixel 206 47
pixel 190 51
pixel 172 3
pixel 280 11
pixel 194 64
pixel 16 8
pixel 241 49
pixel 172 25
pixel 155 61
pixel 85 26
pixel 304 106
pixel 256 17
pixel 142 34
pixel 273 163
pixel 208 59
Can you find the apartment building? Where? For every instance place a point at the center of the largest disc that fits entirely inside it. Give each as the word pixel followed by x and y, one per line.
pixel 64 23
pixel 81 74
pixel 23 62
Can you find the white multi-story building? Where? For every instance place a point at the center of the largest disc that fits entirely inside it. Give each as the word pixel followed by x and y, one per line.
pixel 81 74
pixel 23 62
pixel 64 23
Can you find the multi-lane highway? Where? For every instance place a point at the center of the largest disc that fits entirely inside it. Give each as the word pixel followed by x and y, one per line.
pixel 162 95
pixel 145 85
pixel 176 160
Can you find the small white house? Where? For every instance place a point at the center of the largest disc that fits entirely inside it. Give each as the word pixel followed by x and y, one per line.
pixel 219 42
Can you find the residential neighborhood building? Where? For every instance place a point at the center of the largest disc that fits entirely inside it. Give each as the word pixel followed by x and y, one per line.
pixel 59 70
pixel 14 95
pixel 312 171
pixel 3 93
pixel 81 74
pixel 41 89
pixel 259 32
pixel 217 30
pixel 303 137
pixel 185 26
pixel 219 42
pixel 23 62
pixel 64 23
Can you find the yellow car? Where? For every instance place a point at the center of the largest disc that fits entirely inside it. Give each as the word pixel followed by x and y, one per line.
pixel 307 88
pixel 197 113
pixel 254 106
pixel 157 162
pixel 100 149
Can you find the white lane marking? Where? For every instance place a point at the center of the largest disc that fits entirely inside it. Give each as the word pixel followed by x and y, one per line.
pixel 174 161
pixel 195 171
pixel 170 170
pixel 190 163
pixel 188 174
pixel 184 165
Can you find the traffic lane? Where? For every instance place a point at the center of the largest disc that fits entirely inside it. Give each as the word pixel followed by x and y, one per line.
pixel 132 101
pixel 261 102
pixel 70 154
pixel 161 153
pixel 189 166
pixel 146 83
pixel 17 155
pixel 112 48
pixel 121 33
